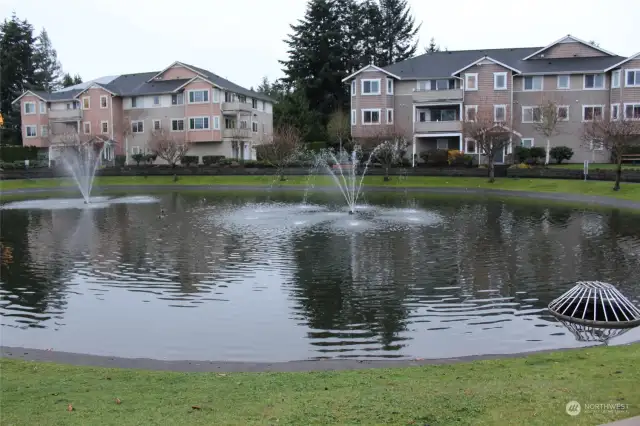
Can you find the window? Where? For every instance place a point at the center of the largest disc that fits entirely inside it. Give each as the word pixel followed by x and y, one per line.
pixel 103 102
pixel 470 112
pixel 134 102
pixel 471 81
pixel 44 131
pixel 216 122
pixel 254 103
pixel 31 131
pixel 370 116
pixel 177 125
pixel 86 102
pixel 632 111
pixel 198 96
pixel 526 142
pixel 531 114
pixel 242 99
pixel 156 101
pixel 370 87
pixel 177 99
pixel 86 127
pixel 499 81
pixel 353 117
pixel 563 112
pixel 564 82
pixel 29 107
pixel 389 86
pixel 424 85
pixel 229 97
pixel 353 87
pixel 615 111
pixel 615 79
pixel 43 108
pixel 254 126
pixel 596 145
pixel 104 127
pixel 532 83
pixel 157 124
pixel 442 144
pixel 632 78
pixel 589 112
pixel 499 113
pixel 199 123
pixel 389 115
pixel 443 84
pixel 244 124
pixel 137 127
pixel 229 123
pixel 594 81
pixel 470 147
pixel 216 95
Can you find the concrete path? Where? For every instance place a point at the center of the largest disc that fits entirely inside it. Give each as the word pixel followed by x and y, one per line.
pixel 632 421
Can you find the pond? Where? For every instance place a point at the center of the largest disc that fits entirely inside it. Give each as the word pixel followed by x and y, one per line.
pixel 245 276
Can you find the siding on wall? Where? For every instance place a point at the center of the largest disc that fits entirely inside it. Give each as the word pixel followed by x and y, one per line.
pixel 570 50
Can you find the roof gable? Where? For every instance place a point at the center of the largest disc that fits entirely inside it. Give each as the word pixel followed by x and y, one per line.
pixel 176 64
pixel 372 67
pixel 630 58
pixel 484 58
pixel 94 86
pixel 568 38
pixel 28 92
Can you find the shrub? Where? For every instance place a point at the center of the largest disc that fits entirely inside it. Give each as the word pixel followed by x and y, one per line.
pixel 209 160
pixel 468 160
pixel 455 158
pixel 150 158
pixel 520 166
pixel 119 160
pixel 189 160
pixel 438 158
pixel 137 158
pixel 11 153
pixel 316 146
pixel 424 155
pixel 521 154
pixel 252 163
pixel 560 153
pixel 226 161
pixel 537 152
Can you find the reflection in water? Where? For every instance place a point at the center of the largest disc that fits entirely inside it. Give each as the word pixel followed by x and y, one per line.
pixel 245 277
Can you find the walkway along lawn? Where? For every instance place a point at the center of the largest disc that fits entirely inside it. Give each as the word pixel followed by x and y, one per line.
pixel 532 390
pixel 628 191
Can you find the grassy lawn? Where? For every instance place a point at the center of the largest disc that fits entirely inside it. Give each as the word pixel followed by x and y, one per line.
pixel 594 166
pixel 629 191
pixel 530 391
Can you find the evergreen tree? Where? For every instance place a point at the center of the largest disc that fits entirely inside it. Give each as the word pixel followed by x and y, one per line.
pixel 371 35
pixel 432 47
pixel 77 79
pixel 398 31
pixel 46 64
pixel 67 80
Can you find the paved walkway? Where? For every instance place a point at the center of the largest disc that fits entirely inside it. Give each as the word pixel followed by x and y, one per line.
pixel 632 421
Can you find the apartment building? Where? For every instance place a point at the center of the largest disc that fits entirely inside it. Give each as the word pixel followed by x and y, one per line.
pixel 189 103
pixel 426 98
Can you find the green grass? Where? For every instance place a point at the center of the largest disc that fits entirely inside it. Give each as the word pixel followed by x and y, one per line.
pixel 529 391
pixel 595 166
pixel 629 191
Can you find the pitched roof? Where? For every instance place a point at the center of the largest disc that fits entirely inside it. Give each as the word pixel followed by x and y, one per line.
pixel 571 39
pixel 226 84
pixel 365 68
pixel 630 58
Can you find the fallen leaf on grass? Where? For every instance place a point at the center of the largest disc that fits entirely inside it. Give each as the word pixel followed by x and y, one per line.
pixel 221 374
pixel 70 407
pixel 196 407
pixel 118 401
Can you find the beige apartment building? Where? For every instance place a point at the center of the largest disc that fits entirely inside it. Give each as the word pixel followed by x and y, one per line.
pixel 426 98
pixel 189 103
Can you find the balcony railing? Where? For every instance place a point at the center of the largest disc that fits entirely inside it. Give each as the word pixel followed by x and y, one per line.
pixel 236 133
pixel 65 114
pixel 232 107
pixel 438 126
pixel 437 95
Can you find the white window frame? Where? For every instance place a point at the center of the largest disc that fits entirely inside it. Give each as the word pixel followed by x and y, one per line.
pixel 389 86
pixel 438 144
pixel 389 115
pixel 44 131
pixel 466 82
pixel 31 126
pixel 466 112
pixel 495 108
pixel 106 102
pixel 633 104
pixel 495 81
pixel 615 117
pixel 33 104
pixel 532 144
pixel 584 108
pixel 88 99
pixel 378 110
pixel 370 80
pixel 153 124
pixel 254 126
pixel 176 120
pixel 584 82
pixel 636 77
pixel 216 122
pixel 179 96
pixel 533 79
pixel 599 147
pixel 102 123
pixel 466 146
pixel 354 117
pixel 559 86
pixel 84 127
pixel 43 107
pixel 422 85
pixel 568 112
pixel 138 123
pixel 136 150
pixel 353 87
pixel 204 129
pixel 189 92
pixel 136 99
pixel 532 114
pixel 616 74
pixel 153 103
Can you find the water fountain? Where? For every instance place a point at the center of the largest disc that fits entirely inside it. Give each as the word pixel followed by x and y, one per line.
pixel 82 161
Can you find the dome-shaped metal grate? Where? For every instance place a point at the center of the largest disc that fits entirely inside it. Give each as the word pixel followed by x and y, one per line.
pixel 596 304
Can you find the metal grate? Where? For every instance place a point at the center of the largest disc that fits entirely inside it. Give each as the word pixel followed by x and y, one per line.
pixel 589 333
pixel 597 304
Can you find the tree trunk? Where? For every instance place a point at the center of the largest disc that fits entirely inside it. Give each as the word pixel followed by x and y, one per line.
pixel 616 185
pixel 281 174
pixel 492 171
pixel 386 174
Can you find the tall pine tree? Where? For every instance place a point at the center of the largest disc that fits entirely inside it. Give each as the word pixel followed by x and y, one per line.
pixel 397 31
pixel 47 71
pixel 67 80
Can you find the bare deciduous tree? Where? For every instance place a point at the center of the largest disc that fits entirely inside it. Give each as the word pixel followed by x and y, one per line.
pixel 386 146
pixel 169 146
pixel 339 127
pixel 491 137
pixel 616 136
pixel 65 139
pixel 550 120
pixel 281 148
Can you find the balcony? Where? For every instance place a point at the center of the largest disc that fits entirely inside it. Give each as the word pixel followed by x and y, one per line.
pixel 236 133
pixel 65 115
pixel 234 107
pixel 437 95
pixel 438 126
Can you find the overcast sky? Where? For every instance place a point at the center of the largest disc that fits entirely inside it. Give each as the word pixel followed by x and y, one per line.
pixel 241 40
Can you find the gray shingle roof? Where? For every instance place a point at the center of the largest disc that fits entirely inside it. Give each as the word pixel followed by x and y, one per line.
pixel 66 95
pixel 214 78
pixel 443 64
